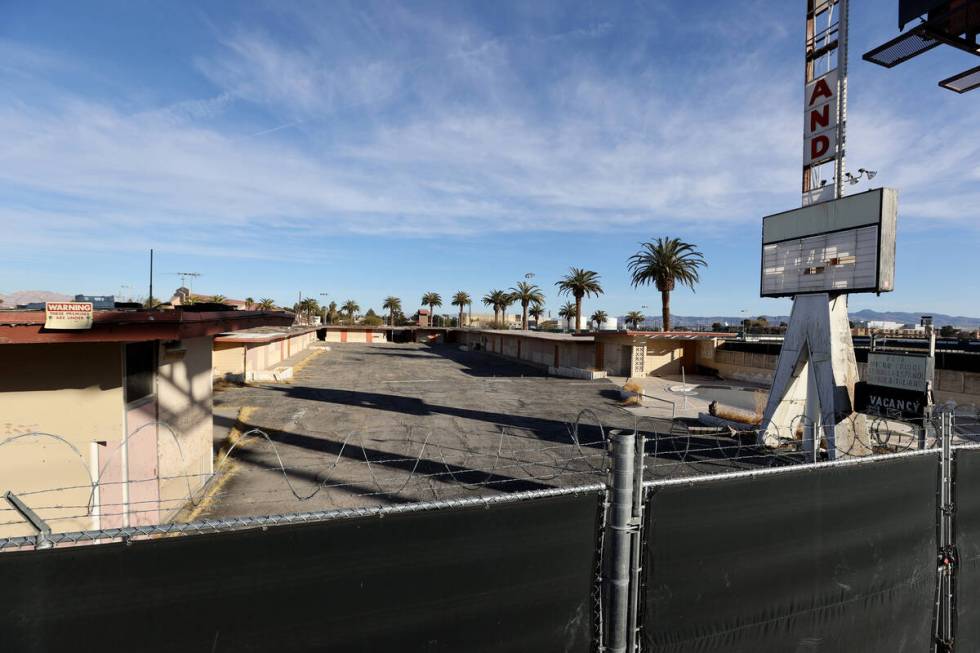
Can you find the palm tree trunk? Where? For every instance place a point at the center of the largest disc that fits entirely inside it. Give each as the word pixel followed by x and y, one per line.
pixel 524 316
pixel 578 313
pixel 665 312
pixel 496 317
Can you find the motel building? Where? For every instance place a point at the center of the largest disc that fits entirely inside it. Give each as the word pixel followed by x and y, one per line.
pixel 108 423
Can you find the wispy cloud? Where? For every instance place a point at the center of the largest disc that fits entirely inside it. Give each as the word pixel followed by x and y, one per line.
pixel 435 127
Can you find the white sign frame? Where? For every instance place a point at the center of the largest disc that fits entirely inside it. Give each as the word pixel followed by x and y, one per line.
pixel 71 316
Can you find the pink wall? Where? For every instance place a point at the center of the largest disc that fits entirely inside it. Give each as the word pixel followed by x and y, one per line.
pixel 141 450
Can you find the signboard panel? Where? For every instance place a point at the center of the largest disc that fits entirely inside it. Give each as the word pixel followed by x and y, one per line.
pixel 68 315
pixel 882 400
pixel 841 246
pixel 900 371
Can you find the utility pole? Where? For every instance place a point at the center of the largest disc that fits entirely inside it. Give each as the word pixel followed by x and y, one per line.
pixel 150 298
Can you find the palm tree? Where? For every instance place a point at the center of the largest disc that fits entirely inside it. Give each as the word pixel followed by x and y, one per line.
pixel 527 294
pixel 249 303
pixel 309 306
pixel 536 311
pixel 567 311
pixel 665 263
pixel 432 299
pixel 350 307
pixel 218 299
pixel 579 283
pixel 598 317
pixel 266 304
pixel 393 305
pixel 461 299
pixel 635 318
pixel 506 299
pixel 495 298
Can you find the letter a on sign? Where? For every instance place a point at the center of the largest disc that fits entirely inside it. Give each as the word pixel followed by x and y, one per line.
pixel 820 112
pixel 819 93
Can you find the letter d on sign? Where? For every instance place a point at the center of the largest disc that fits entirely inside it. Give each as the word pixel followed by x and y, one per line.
pixel 819 147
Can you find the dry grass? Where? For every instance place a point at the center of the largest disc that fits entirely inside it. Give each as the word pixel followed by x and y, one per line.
pixel 634 399
pixel 743 416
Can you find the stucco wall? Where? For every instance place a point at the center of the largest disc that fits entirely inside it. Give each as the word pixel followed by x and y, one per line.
pixel 534 350
pixel 231 357
pixel 961 387
pixel 73 390
pixel 184 396
pixel 228 358
pixel 354 335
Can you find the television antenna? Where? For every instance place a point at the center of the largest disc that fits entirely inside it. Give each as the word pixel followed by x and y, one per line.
pixel 185 275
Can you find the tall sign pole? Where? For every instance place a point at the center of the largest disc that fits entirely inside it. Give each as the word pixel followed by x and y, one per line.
pixel 820 253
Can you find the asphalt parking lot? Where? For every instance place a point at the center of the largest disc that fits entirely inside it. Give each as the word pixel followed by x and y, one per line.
pixel 390 423
pixel 381 424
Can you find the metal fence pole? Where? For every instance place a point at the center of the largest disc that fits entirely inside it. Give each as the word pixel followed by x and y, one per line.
pixel 945 619
pixel 636 553
pixel 620 531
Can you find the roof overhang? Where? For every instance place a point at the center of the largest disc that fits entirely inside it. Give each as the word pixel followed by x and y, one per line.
pixel 25 327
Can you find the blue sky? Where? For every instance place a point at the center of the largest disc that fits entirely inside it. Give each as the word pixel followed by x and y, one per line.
pixel 366 149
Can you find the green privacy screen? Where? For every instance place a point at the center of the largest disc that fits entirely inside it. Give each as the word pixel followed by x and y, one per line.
pixel 837 558
pixel 508 577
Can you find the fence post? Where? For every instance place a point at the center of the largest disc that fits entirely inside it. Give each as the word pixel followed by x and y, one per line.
pixel 42 538
pixel 621 528
pixel 636 554
pixel 945 619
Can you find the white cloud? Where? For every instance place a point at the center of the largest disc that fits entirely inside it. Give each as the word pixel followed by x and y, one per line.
pixel 446 137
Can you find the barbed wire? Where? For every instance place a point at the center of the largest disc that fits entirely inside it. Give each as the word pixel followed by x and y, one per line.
pixel 469 462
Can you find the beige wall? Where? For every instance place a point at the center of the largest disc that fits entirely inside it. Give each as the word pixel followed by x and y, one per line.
pixel 72 390
pixel 231 358
pixel 537 351
pixel 228 358
pixel 961 387
pixel 354 335
pixel 75 391
pixel 184 397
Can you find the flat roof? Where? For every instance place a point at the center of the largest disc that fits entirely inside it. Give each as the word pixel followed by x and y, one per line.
pixel 263 334
pixel 24 327
pixel 540 335
pixel 673 335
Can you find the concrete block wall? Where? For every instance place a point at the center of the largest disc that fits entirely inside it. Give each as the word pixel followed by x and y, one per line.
pixel 951 385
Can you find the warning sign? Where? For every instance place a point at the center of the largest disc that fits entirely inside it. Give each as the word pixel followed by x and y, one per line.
pixel 68 315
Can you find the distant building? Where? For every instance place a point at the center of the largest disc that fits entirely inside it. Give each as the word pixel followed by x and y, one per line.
pixel 512 318
pixel 99 302
pixel 885 325
pixel 183 296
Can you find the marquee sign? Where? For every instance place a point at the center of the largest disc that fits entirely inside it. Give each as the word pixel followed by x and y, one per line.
pixel 68 315
pixel 900 371
pixel 841 246
pixel 882 400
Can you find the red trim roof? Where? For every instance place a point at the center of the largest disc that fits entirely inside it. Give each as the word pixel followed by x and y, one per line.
pixel 18 327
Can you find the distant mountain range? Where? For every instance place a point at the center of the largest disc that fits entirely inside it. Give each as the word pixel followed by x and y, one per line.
pixel 28 296
pixel 939 319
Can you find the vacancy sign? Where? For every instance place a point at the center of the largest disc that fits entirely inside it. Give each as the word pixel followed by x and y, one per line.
pixel 820 119
pixel 68 315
